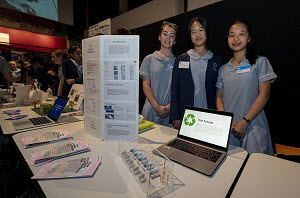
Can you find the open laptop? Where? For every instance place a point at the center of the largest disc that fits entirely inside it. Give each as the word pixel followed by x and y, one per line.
pixel 51 118
pixel 202 140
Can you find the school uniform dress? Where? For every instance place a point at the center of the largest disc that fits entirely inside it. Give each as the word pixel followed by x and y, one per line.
pixel 159 73
pixel 240 90
pixel 193 82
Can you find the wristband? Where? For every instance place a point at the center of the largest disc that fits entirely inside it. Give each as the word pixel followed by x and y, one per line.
pixel 247 120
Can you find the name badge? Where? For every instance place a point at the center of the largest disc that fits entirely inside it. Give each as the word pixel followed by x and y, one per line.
pixel 243 69
pixel 184 65
pixel 171 65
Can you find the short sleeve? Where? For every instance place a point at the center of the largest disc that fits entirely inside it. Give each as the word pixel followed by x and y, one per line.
pixel 265 70
pixel 219 83
pixel 4 67
pixel 145 67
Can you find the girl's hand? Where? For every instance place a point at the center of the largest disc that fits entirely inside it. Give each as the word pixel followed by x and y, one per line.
pixel 167 109
pixel 176 124
pixel 160 110
pixel 239 129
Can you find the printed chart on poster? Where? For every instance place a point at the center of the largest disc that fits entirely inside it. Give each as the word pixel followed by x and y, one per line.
pixel 111 86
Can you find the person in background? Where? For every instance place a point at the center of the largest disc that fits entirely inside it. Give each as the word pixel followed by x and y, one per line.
pixel 26 67
pixel 72 69
pixel 56 70
pixel 156 72
pixel 6 71
pixel 16 72
pixel 14 65
pixel 121 31
pixel 39 72
pixel 243 88
pixel 195 74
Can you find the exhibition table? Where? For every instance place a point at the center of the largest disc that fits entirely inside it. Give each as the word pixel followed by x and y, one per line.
pixel 7 125
pixel 113 179
pixel 268 176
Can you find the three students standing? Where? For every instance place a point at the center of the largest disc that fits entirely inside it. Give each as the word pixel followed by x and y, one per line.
pixel 241 86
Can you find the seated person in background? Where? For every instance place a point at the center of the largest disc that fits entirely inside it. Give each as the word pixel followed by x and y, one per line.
pixel 72 70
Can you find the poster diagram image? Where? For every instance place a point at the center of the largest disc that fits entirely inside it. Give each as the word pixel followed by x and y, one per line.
pixel 92 87
pixel 109 116
pixel 120 70
pixel 108 109
pixel 91 106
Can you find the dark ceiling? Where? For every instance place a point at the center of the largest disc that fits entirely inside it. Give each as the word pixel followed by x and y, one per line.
pixel 89 12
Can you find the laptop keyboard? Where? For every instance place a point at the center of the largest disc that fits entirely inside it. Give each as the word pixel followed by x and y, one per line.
pixel 198 150
pixel 40 120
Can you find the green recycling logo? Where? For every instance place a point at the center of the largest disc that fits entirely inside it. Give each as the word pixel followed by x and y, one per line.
pixel 187 123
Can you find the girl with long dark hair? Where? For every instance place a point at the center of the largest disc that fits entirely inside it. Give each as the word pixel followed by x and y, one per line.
pixel 243 88
pixel 195 74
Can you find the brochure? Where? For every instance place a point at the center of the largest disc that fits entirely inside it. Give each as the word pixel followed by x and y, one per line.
pixel 82 167
pixel 145 125
pixel 46 138
pixel 16 117
pixel 72 148
pixel 12 112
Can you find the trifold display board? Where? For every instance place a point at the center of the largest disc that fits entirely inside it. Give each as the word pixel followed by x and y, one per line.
pixel 111 86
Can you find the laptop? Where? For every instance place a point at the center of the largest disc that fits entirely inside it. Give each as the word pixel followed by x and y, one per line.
pixel 51 118
pixel 202 140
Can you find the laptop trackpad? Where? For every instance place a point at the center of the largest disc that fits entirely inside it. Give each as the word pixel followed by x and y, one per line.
pixel 183 157
pixel 67 119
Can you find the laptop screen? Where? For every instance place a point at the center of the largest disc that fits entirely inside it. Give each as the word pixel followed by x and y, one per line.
pixel 206 125
pixel 57 108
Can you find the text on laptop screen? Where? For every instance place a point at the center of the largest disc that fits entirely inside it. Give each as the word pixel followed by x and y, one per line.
pixel 207 127
pixel 58 107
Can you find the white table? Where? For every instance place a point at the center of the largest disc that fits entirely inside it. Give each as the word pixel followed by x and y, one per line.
pixel 7 125
pixel 267 176
pixel 113 179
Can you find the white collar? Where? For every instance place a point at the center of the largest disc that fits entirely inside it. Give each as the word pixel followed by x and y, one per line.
pixel 75 63
pixel 195 56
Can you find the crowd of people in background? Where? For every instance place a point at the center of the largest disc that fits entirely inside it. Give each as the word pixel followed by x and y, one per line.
pixel 58 75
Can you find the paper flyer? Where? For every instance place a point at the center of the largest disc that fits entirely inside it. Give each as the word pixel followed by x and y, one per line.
pixel 46 138
pixel 12 112
pixel 83 167
pixel 69 149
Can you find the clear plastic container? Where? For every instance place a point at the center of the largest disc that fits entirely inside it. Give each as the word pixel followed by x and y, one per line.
pixel 152 170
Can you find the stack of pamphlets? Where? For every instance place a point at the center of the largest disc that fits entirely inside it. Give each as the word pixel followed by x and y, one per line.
pixel 83 167
pixel 69 149
pixel 14 114
pixel 46 138
pixel 145 125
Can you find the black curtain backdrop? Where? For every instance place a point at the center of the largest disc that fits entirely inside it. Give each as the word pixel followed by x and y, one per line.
pixel 276 35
